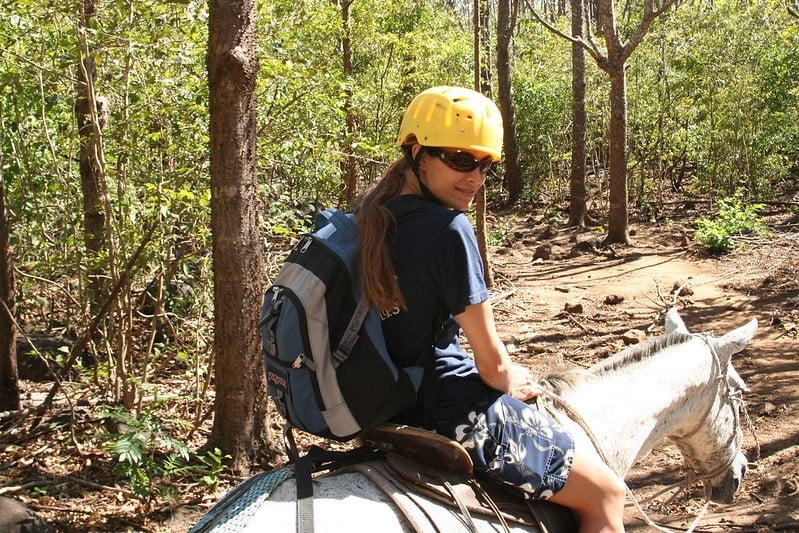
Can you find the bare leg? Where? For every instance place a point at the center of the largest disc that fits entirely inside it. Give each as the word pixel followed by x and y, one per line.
pixel 594 493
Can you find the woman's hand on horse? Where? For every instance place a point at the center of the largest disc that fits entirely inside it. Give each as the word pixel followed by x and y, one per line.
pixel 524 385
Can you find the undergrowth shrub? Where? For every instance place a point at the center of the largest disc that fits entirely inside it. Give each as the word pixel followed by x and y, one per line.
pixel 732 218
pixel 150 458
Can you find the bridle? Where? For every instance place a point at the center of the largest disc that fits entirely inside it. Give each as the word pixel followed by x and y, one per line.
pixel 734 396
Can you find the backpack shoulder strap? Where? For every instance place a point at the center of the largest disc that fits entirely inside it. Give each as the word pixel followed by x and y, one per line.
pixel 350 336
pixel 338 219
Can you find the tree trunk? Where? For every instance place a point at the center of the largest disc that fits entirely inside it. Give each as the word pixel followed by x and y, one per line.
pixel 486 76
pixel 613 65
pixel 9 378
pixel 481 204
pixel 348 165
pixel 506 22
pixel 617 165
pixel 91 112
pixel 240 405
pixel 577 190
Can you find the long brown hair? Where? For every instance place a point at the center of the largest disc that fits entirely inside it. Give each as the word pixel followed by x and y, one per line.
pixel 380 285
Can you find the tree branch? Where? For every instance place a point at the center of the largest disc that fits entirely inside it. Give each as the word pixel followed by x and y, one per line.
pixel 650 14
pixel 589 46
pixel 78 346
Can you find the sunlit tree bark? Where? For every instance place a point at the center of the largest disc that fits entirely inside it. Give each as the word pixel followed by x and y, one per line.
pixel 91 112
pixel 240 405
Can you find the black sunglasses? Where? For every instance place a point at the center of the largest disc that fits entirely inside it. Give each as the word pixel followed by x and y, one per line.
pixel 461 161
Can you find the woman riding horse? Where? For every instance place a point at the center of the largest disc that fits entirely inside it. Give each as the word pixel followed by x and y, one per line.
pixel 424 271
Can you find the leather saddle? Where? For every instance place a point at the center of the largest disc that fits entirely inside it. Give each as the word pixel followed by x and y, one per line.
pixel 441 469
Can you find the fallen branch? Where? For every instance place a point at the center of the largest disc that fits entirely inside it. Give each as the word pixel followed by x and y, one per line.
pixel 54 481
pixel 16 488
pixel 98 486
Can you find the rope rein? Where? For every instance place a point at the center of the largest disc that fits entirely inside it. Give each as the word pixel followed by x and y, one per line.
pixel 575 416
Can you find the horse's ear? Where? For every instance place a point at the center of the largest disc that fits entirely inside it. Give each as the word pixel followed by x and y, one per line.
pixel 674 323
pixel 736 340
pixel 735 380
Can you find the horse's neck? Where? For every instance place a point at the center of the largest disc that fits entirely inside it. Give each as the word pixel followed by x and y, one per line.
pixel 631 409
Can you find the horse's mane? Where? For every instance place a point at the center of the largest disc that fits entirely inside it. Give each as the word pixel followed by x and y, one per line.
pixel 639 352
pixel 562 378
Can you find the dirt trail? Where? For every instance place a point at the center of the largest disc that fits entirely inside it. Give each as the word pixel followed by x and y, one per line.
pixel 610 293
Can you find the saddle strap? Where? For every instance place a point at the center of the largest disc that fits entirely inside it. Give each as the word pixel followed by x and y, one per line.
pixel 414 513
pixel 488 500
pixel 462 506
pixel 302 472
pixel 458 490
pixel 412 505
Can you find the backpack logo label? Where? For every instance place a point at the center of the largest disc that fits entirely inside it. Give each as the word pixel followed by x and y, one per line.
pixel 276 380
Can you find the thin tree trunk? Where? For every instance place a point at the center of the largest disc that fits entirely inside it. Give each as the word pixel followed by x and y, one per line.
pixel 506 22
pixel 91 112
pixel 486 76
pixel 348 165
pixel 617 166
pixel 577 189
pixel 240 405
pixel 481 203
pixel 9 378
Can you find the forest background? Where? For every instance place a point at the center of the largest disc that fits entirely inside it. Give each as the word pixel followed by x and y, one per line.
pixel 106 241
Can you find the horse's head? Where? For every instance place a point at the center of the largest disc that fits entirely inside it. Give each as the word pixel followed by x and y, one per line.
pixel 713 446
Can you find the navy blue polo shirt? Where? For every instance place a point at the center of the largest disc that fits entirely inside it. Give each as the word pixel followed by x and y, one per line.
pixel 440 272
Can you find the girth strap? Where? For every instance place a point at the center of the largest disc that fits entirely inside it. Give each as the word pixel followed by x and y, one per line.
pixel 317 459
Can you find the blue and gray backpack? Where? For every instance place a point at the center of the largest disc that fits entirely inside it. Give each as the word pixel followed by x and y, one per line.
pixel 327 367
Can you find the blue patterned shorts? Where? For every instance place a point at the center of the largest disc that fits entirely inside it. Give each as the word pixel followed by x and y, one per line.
pixel 515 444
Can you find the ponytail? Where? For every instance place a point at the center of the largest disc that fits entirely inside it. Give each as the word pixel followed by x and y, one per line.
pixel 375 224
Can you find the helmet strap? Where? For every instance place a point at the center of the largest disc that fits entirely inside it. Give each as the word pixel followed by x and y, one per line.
pixel 413 162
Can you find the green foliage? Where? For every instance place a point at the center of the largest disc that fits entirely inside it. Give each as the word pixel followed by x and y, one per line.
pixel 732 218
pixel 149 456
pixel 146 452
pixel 541 85
pixel 214 464
pixel 149 59
pixel 712 87
pixel 302 90
pixel 499 233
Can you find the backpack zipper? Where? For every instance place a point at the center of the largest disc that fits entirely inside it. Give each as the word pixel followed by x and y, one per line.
pixel 303 360
pixel 304 244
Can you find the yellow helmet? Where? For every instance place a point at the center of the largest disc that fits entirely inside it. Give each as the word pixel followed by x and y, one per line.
pixel 453 117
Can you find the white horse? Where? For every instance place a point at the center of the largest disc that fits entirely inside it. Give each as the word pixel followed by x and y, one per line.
pixel 678 386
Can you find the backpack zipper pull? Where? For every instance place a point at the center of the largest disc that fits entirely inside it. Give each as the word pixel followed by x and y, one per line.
pixel 303 360
pixel 304 244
